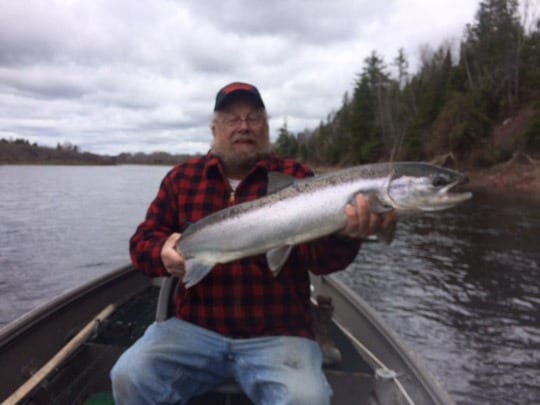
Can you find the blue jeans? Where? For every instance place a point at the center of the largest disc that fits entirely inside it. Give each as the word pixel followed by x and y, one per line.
pixel 175 361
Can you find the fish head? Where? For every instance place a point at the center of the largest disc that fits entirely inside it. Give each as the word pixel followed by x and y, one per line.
pixel 418 187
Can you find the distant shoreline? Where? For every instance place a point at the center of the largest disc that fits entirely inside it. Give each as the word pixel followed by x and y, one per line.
pixel 56 163
pixel 22 152
pixel 76 163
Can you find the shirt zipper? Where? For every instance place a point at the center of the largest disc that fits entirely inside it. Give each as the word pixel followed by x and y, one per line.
pixel 232 198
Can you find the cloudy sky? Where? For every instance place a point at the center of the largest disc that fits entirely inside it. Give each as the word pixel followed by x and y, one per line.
pixel 116 76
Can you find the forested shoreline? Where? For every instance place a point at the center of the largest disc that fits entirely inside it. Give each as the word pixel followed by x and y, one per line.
pixel 481 105
pixel 21 151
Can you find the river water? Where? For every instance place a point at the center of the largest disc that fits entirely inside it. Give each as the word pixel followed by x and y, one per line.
pixel 462 287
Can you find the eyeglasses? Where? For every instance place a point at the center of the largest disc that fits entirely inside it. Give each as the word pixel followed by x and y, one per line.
pixel 234 121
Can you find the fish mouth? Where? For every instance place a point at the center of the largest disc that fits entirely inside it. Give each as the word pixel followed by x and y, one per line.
pixel 446 197
pixel 445 190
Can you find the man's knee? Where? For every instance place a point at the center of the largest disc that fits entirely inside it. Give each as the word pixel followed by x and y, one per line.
pixel 293 393
pixel 306 382
pixel 313 390
pixel 131 378
pixel 122 383
pixel 124 380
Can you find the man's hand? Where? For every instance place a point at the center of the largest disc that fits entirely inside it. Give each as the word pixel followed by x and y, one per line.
pixel 171 258
pixel 361 222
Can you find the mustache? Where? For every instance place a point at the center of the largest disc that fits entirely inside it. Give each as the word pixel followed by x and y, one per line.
pixel 243 137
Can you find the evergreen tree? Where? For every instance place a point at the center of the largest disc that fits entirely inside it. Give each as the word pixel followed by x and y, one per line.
pixel 366 118
pixel 492 54
pixel 286 144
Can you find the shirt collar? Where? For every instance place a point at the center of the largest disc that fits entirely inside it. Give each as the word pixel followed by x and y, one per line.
pixel 213 163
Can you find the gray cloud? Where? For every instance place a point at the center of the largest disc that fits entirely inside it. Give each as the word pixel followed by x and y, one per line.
pixel 39 84
pixel 317 21
pixel 114 76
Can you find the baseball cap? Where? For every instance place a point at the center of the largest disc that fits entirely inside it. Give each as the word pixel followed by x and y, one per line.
pixel 235 91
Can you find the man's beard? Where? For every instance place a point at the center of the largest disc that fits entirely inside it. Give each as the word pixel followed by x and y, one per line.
pixel 241 161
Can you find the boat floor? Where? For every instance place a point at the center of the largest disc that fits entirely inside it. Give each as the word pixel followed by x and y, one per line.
pixel 85 377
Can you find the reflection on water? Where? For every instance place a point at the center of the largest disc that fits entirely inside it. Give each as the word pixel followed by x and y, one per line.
pixel 463 289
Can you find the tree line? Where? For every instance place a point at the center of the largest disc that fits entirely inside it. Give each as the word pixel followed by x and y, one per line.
pixel 451 105
pixel 21 151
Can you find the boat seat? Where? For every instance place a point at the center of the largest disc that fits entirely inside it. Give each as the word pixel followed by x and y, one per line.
pixel 165 304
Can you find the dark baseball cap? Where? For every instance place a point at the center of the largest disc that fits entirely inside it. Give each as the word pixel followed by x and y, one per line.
pixel 237 91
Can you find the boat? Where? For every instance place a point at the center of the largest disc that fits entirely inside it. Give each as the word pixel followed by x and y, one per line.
pixel 62 353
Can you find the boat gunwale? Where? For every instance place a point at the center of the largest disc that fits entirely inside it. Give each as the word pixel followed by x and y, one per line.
pixel 36 316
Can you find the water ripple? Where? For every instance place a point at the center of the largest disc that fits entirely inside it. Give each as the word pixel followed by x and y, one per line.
pixel 462 288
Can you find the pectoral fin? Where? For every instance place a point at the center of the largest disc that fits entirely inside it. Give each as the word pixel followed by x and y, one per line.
pixel 276 258
pixel 377 206
pixel 195 271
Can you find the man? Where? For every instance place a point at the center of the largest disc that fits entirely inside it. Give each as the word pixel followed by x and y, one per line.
pixel 239 321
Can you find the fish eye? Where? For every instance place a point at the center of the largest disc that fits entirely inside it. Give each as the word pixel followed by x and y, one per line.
pixel 439 180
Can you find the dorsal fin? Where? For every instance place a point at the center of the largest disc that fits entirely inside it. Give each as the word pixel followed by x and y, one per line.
pixel 278 181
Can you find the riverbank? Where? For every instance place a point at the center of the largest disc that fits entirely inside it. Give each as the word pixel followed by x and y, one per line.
pixel 519 176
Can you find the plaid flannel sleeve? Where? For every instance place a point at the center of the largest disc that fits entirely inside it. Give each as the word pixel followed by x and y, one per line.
pixel 160 222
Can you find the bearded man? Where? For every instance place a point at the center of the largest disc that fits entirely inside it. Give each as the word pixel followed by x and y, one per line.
pixel 239 322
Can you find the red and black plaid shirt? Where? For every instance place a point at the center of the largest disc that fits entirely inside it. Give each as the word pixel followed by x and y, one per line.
pixel 240 299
